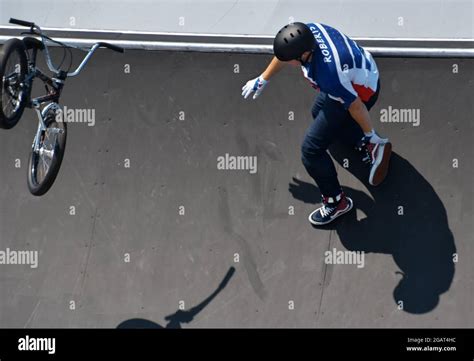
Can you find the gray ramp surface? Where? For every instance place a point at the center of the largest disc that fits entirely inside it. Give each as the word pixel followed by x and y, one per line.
pixel 141 228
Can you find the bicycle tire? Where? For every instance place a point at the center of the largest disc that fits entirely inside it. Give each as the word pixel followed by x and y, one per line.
pixel 39 188
pixel 12 46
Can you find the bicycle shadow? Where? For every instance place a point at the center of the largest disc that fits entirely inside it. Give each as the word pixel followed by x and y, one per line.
pixel 417 235
pixel 180 316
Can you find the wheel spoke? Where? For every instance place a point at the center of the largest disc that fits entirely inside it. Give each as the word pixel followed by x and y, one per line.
pixel 46 166
pixel 46 153
pixel 11 86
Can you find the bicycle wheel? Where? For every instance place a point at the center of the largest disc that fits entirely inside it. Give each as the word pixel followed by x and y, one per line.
pixel 44 164
pixel 13 70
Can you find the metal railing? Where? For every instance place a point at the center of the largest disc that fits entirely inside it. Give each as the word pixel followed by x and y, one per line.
pixel 380 47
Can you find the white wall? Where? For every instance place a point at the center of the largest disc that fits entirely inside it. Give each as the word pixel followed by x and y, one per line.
pixel 383 18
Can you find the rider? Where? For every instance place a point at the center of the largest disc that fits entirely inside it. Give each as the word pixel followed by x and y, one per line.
pixel 348 80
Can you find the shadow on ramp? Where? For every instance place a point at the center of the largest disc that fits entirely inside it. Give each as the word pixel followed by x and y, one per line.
pixel 420 240
pixel 179 317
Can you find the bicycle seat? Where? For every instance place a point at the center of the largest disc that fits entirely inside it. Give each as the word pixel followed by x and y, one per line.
pixel 32 43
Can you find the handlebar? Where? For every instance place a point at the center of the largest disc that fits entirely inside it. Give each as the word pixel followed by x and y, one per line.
pixel 22 22
pixel 111 47
pixel 51 67
pixel 89 54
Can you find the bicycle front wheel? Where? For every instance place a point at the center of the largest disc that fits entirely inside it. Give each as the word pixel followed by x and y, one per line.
pixel 44 163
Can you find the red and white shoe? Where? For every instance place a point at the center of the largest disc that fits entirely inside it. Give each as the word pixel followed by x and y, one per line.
pixel 332 208
pixel 378 156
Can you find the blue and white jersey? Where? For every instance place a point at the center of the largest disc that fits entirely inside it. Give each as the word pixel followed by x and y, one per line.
pixel 340 67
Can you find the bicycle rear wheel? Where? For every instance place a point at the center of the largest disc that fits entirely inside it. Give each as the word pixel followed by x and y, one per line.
pixel 13 70
pixel 44 164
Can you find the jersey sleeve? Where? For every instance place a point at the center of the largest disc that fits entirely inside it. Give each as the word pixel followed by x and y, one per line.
pixel 344 91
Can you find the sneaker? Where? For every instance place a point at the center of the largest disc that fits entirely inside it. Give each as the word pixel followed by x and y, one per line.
pixel 331 208
pixel 378 156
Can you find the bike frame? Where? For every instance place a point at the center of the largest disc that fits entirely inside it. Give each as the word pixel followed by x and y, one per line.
pixel 56 83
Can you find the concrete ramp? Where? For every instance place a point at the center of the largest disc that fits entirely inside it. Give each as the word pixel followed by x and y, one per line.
pixel 141 224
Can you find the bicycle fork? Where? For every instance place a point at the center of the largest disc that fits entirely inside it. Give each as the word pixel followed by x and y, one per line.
pixel 42 129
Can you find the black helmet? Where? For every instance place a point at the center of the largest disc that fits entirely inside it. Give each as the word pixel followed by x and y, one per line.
pixel 292 41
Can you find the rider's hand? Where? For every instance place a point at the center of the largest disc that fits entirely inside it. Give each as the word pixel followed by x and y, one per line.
pixel 255 85
pixel 374 138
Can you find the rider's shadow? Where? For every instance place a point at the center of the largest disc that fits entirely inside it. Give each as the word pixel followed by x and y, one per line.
pixel 403 217
pixel 176 319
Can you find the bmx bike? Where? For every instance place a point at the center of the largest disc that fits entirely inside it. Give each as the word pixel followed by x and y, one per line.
pixel 17 72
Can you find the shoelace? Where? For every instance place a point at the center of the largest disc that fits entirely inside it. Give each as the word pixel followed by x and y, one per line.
pixel 364 146
pixel 368 156
pixel 327 210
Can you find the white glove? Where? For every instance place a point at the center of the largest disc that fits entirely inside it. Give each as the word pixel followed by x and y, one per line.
pixel 255 85
pixel 375 139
